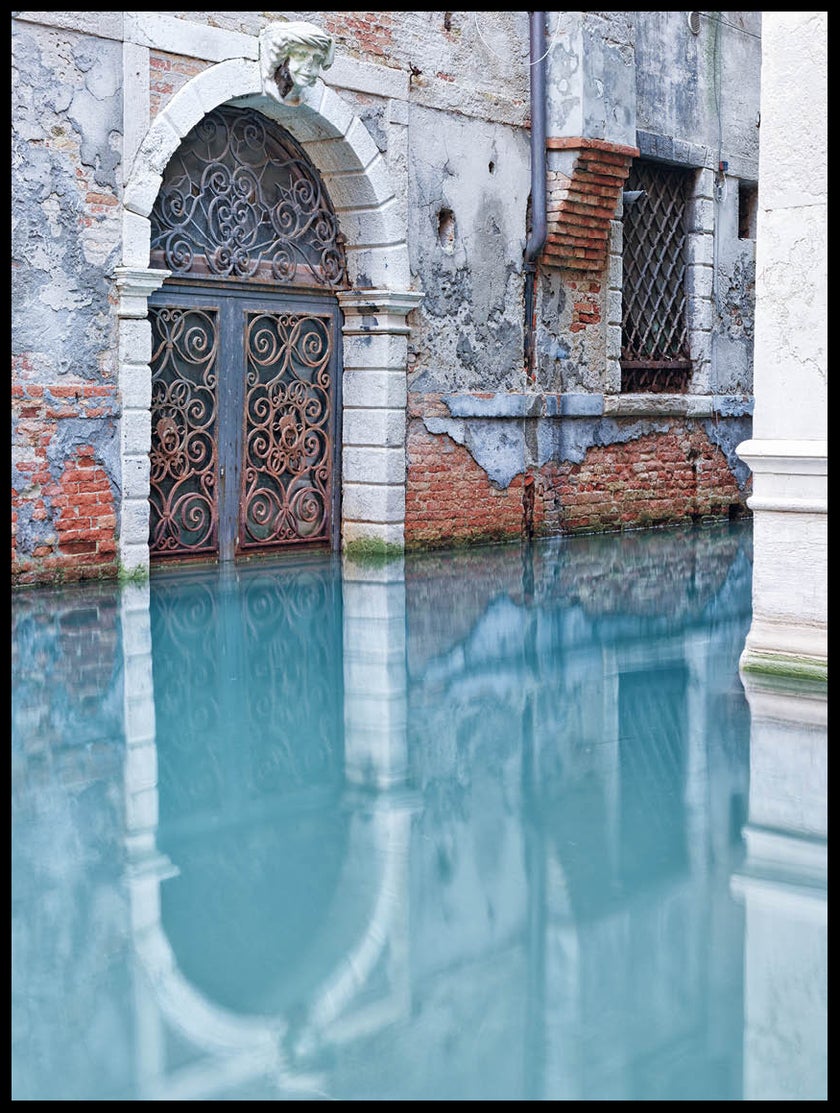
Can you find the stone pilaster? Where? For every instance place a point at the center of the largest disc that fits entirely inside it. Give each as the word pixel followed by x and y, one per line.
pixel 374 400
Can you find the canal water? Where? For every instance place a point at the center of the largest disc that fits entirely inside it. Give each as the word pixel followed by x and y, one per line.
pixel 487 824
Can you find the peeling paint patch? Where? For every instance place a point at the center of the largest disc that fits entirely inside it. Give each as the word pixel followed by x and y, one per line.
pixel 727 435
pixel 497 447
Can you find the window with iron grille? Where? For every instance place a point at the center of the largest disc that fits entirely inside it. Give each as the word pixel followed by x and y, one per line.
pixel 654 336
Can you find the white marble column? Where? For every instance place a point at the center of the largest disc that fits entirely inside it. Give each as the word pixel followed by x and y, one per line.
pixel 788 451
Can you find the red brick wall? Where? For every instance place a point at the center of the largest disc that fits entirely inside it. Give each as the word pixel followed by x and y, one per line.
pixel 369 33
pixel 667 477
pixel 449 498
pixel 654 479
pixel 64 521
pixel 167 74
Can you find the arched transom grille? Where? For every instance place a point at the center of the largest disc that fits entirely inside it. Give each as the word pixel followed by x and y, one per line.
pixel 240 200
pixel 654 339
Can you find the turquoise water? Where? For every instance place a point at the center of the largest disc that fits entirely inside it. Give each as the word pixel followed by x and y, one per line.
pixel 467 825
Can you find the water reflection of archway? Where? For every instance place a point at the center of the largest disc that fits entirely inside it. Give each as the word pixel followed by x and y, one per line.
pixel 185 804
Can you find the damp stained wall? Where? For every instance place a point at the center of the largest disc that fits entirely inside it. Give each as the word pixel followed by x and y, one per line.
pixel 444 97
pixel 66 149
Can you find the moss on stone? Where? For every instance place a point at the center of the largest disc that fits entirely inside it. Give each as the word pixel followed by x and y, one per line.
pixel 371 550
pixel 786 666
pixel 138 575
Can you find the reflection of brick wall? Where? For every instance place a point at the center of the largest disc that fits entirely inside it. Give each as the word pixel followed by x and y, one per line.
pixel 581 204
pixel 66 676
pixel 653 573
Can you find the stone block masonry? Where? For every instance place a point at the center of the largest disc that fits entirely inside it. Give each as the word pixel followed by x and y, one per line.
pixel 64 518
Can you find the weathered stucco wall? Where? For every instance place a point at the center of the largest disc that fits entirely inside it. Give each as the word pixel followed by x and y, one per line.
pixel 66 116
pixel 698 104
pixel 443 99
pixel 571 453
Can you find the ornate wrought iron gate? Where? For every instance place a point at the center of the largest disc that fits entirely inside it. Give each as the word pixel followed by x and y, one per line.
pixel 244 411
pixel 245 345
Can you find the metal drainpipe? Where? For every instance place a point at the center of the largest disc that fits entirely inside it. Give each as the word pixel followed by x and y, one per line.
pixel 539 222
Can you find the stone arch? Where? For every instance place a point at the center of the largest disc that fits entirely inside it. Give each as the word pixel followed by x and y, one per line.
pixel 374 393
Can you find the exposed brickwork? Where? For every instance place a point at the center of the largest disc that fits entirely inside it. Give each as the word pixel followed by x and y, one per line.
pixel 449 498
pixel 64 520
pixel 365 33
pixel 586 304
pixel 581 205
pixel 676 476
pixel 167 74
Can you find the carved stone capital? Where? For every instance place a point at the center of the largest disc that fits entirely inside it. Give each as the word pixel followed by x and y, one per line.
pixel 367 311
pixel 134 285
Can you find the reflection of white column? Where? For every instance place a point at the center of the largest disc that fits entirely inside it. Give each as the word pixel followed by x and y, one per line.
pixel 609 770
pixel 374 673
pixel 788 452
pixel 141 800
pixel 782 884
pixel 146 867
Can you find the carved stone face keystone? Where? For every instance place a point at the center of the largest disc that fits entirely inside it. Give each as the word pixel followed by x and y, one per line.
pixel 292 56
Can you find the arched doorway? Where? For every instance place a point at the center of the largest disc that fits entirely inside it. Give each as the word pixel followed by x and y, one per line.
pixel 246 350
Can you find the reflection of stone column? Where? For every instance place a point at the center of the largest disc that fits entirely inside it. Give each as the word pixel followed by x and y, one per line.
pixel 782 883
pixel 788 452
pixel 146 867
pixel 696 789
pixel 141 801
pixel 374 673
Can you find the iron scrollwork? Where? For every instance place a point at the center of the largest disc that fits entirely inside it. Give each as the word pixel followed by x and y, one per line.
pixel 182 481
pixel 287 451
pixel 240 200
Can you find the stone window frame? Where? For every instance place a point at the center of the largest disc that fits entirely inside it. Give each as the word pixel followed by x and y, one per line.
pixel 699 400
pixel 699 230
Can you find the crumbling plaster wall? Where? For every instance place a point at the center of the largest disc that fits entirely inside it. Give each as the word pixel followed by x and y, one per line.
pixel 685 99
pixel 697 104
pixel 445 98
pixel 66 141
pixel 66 147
